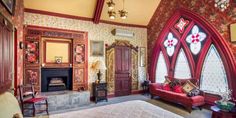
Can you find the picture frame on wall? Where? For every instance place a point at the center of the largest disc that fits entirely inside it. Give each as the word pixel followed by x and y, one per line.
pixel 9 5
pixel 233 33
pixel 97 48
pixel 142 53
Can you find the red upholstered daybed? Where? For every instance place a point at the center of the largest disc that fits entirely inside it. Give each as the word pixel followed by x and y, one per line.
pixel 182 98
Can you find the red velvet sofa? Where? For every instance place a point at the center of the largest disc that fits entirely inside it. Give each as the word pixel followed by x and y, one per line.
pixel 155 89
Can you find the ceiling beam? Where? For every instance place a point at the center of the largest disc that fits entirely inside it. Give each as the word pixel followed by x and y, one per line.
pixel 98 11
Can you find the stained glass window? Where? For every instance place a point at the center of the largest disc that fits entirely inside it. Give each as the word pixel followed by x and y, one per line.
pixel 213 76
pixel 161 69
pixel 195 39
pixel 170 43
pixel 181 25
pixel 182 70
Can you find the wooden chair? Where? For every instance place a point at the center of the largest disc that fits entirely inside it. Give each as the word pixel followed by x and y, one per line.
pixel 28 99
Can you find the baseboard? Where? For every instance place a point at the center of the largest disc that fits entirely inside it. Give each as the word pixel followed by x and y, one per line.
pixel 137 92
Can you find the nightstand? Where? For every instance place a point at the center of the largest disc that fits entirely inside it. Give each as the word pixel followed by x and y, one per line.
pixel 145 86
pixel 216 113
pixel 100 91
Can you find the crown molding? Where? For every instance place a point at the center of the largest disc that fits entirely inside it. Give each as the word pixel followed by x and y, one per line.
pixel 80 18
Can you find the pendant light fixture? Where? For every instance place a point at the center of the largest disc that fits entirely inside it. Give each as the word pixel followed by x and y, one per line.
pixel 111 5
pixel 123 13
pixel 111 12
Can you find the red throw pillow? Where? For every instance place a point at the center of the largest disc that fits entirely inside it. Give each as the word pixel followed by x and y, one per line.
pixel 166 87
pixel 178 89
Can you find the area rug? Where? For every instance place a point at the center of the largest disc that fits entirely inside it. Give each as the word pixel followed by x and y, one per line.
pixel 129 109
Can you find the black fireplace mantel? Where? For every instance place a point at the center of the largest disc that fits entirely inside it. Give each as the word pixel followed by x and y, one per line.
pixel 55 72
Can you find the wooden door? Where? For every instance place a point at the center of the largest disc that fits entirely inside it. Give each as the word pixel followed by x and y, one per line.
pixel 6 54
pixel 122 71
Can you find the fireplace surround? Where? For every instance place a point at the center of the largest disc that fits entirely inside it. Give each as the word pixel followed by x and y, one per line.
pixel 56 79
pixel 38 40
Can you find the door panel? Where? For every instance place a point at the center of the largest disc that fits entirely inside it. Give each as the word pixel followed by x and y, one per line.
pixel 118 60
pixel 6 51
pixel 123 71
pixel 5 56
pixel 126 59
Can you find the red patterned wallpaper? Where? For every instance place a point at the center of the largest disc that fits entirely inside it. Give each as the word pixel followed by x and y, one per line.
pixel 205 8
pixel 17 21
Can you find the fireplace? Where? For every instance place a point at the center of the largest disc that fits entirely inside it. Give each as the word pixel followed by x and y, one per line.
pixel 57 83
pixel 56 79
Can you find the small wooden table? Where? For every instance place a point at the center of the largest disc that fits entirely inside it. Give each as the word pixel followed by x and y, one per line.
pixel 100 91
pixel 222 114
pixel 145 86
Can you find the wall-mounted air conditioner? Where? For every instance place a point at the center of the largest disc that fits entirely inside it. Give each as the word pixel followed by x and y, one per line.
pixel 122 33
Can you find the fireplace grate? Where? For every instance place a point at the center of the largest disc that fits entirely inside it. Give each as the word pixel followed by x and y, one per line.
pixel 56 84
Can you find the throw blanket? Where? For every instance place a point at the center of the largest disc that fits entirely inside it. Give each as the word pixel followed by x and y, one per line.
pixel 130 109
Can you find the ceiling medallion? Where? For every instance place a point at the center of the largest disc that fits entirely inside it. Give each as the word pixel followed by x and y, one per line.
pixel 222 4
pixel 111 12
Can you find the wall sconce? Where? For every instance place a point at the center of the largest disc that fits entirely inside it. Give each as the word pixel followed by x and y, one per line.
pixel 21 45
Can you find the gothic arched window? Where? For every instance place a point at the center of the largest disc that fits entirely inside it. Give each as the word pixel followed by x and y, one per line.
pixel 186 49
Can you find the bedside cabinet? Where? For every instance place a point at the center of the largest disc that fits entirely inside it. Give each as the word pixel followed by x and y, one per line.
pixel 100 91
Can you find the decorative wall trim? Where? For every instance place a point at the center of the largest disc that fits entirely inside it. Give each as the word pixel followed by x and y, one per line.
pixel 122 43
pixel 35 33
pixel 54 32
pixel 110 62
pixel 56 14
pixel 80 18
pixel 123 24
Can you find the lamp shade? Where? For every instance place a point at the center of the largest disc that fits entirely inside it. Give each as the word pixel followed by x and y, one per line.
pixel 98 65
pixel 101 65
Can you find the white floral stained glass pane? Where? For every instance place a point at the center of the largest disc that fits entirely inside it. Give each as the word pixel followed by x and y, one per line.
pixel 182 70
pixel 161 69
pixel 195 39
pixel 213 76
pixel 170 43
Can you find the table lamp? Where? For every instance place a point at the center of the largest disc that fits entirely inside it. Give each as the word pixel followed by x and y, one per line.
pixel 98 66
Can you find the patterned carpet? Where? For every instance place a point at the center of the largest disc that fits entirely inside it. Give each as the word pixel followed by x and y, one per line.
pixel 178 109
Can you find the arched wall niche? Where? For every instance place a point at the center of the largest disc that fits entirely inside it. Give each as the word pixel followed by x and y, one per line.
pixel 196 60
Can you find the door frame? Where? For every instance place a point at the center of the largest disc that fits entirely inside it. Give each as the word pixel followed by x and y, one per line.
pixel 110 62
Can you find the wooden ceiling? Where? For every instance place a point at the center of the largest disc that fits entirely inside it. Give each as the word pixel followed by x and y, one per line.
pixel 139 11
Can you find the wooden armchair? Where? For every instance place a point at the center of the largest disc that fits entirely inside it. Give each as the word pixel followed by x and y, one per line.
pixel 28 99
